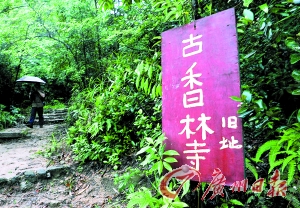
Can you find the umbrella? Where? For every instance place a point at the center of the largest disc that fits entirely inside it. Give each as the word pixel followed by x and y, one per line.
pixel 31 79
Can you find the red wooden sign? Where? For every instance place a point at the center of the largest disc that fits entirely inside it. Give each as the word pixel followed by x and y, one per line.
pixel 200 73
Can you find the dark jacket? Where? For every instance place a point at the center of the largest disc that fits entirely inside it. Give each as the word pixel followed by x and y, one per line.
pixel 37 98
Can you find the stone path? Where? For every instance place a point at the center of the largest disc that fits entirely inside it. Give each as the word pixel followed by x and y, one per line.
pixel 19 146
pixel 20 156
pixel 54 116
pixel 28 179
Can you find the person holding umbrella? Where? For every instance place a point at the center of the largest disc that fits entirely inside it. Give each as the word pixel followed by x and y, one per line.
pixel 37 97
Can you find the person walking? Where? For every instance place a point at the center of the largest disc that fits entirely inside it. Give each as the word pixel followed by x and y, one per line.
pixel 37 97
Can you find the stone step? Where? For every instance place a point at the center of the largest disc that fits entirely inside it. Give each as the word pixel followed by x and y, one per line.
pixel 56 111
pixel 11 135
pixel 55 114
pixel 49 121
pixel 33 175
pixel 51 116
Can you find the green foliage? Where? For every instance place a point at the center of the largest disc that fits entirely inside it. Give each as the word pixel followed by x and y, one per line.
pixel 247 2
pixel 129 179
pixel 284 152
pixel 9 119
pixel 55 104
pixel 267 101
pixel 149 77
pixel 269 82
pixel 141 198
pixel 108 122
pixel 153 160
pixel 230 203
pixel 251 167
pixel 110 116
pixel 157 155
pixel 296 88
pixel 56 148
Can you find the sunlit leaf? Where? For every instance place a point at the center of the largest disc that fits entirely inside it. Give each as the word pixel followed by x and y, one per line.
pixel 294 58
pixel 167 166
pixel 296 92
pixel 246 95
pixel 170 152
pixel 149 140
pixel 247 2
pixel 170 159
pixel 292 44
pixel 144 149
pixel 160 167
pixel 248 14
pixel 296 75
pixel 264 7
pixel 235 98
pixel 236 202
pixel 179 204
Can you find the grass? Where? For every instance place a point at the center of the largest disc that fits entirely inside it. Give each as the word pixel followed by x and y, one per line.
pixel 55 104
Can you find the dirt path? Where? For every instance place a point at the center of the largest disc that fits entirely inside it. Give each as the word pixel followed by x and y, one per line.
pixel 77 186
pixel 19 155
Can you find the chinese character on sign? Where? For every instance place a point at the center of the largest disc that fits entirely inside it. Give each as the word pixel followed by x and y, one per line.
pixel 187 129
pixel 204 126
pixel 278 187
pixel 257 186
pixel 196 47
pixel 192 98
pixel 239 185
pixel 192 77
pixel 216 185
pixel 195 151
pixel 231 144
pixel 193 101
pixel 232 122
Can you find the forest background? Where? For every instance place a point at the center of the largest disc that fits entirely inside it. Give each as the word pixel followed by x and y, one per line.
pixel 102 59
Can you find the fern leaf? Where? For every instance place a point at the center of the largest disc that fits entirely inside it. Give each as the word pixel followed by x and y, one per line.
pixel 274 164
pixel 252 169
pixel 265 147
pixel 287 160
pixel 284 138
pixel 140 198
pixel 291 141
pixel 273 153
pixel 186 188
pixel 293 200
pixel 289 152
pixel 291 171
